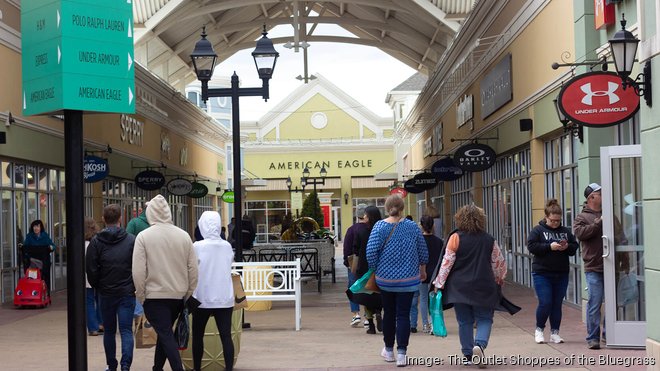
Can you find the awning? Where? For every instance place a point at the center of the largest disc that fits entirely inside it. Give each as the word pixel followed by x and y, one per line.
pixel 369 182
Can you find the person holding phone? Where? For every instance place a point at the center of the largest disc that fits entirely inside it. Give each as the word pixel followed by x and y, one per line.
pixel 551 243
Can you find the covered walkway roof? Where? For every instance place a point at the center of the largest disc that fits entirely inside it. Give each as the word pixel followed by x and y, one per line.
pixel 416 32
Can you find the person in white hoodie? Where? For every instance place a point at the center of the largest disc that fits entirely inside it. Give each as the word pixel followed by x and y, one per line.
pixel 214 289
pixel 164 274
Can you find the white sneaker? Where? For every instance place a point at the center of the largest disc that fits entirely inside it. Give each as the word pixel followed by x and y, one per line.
pixel 388 355
pixel 366 323
pixel 355 321
pixel 401 360
pixel 478 357
pixel 555 338
pixel 538 336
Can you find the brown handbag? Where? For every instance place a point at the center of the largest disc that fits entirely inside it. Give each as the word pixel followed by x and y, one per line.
pixel 240 301
pixel 371 283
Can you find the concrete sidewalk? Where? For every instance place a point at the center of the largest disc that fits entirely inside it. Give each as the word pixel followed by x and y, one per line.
pixel 36 339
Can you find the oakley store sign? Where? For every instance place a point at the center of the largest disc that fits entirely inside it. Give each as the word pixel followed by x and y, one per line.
pixel 597 99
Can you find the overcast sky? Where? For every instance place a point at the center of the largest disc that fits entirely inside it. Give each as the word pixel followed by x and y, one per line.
pixel 365 73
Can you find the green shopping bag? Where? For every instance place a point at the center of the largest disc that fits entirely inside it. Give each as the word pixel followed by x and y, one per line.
pixel 437 318
pixel 359 287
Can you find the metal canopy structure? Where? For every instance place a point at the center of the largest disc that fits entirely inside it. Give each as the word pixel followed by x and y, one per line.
pixel 416 32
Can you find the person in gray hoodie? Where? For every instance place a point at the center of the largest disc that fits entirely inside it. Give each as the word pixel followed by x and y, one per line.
pixel 166 252
pixel 214 289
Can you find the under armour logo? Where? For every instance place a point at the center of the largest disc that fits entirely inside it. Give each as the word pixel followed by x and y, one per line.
pixel 611 88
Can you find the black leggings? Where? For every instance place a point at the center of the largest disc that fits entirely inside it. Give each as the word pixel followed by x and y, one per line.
pixel 223 321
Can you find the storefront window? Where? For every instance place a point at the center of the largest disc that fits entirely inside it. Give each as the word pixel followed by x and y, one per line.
pixel 561 182
pixel 461 195
pixel 378 202
pixel 202 204
pixel 267 217
pixel 507 203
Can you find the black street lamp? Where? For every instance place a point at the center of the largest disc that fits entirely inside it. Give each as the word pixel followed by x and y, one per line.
pixel 307 180
pixel 289 183
pixel 203 60
pixel 569 126
pixel 623 47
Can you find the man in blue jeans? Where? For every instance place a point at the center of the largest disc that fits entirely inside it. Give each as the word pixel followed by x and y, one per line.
pixel 109 270
pixel 588 228
pixel 349 251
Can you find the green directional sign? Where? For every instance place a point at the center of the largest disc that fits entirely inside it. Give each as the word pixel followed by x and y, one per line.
pixel 78 54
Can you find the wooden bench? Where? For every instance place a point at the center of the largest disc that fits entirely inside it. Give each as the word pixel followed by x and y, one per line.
pixel 258 282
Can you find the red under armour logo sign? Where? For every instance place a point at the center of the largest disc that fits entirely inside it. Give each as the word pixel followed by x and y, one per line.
pixel 597 99
pixel 611 88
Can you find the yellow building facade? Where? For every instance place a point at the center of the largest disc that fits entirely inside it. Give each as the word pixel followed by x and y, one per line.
pixel 318 126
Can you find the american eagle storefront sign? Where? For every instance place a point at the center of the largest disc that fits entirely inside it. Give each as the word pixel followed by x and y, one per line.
pixel 597 99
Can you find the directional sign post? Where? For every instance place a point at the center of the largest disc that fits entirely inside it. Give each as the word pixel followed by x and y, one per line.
pixel 77 55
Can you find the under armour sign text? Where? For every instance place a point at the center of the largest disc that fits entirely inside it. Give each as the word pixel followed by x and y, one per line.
pixel 474 157
pixel 597 99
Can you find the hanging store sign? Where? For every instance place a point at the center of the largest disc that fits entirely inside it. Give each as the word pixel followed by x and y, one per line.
pixel 410 187
pixel 424 181
pixel 446 170
pixel 150 180
pixel 179 186
pixel 474 157
pixel 228 197
pixel 597 99
pixel 198 190
pixel 95 169
pixel 603 14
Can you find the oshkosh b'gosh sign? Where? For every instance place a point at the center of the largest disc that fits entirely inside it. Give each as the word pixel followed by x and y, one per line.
pixel 597 99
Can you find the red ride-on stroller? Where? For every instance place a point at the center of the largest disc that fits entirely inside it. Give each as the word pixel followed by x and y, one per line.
pixel 31 289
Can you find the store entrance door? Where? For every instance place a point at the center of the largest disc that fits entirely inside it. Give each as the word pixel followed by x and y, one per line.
pixel 623 248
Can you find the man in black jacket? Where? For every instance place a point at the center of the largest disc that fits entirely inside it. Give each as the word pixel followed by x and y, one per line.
pixel 247 232
pixel 109 270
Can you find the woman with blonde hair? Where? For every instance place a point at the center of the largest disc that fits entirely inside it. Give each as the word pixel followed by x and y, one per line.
pixel 397 252
pixel 551 244
pixel 472 268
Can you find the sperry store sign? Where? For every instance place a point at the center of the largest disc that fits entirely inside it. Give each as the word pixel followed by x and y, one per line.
pixel 597 99
pixel 77 54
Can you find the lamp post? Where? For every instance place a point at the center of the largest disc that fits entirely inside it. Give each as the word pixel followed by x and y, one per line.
pixel 295 190
pixel 623 47
pixel 203 59
pixel 569 126
pixel 307 180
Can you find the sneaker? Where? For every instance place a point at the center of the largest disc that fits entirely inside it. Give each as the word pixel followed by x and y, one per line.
pixel 93 333
pixel 478 357
pixel 401 360
pixel 413 330
pixel 366 323
pixel 388 355
pixel 426 328
pixel 101 329
pixel 467 361
pixel 593 344
pixel 555 338
pixel 538 336
pixel 379 322
pixel 355 321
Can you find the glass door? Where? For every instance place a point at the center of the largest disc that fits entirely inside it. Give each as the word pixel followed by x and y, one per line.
pixel 623 246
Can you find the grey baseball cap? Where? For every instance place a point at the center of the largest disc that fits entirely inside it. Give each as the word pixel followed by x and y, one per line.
pixel 593 187
pixel 359 210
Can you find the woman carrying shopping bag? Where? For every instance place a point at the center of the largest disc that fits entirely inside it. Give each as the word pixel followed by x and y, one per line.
pixel 397 252
pixel 470 274
pixel 214 290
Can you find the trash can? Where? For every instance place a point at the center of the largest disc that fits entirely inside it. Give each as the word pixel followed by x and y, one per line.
pixel 213 358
